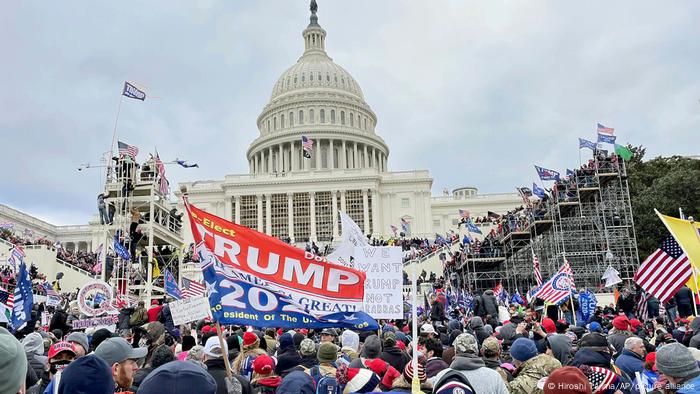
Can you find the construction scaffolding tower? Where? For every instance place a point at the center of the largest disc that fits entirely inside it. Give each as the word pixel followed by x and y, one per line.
pixel 585 220
pixel 143 221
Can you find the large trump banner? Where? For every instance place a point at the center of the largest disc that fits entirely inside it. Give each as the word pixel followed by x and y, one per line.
pixel 311 281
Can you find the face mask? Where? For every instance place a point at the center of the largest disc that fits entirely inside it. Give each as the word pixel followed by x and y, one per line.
pixel 59 366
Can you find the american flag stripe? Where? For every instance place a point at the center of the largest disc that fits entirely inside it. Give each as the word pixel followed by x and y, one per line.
pixel 128 150
pixel 536 267
pixel 192 288
pixel 605 130
pixel 642 310
pixel 307 144
pixel 7 298
pixel 665 271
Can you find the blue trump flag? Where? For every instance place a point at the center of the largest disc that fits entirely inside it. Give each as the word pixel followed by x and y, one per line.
pixel 133 92
pixel 538 191
pixel 171 287
pixel 517 298
pixel 547 174
pixel 24 299
pixel 570 172
pixel 234 300
pixel 583 143
pixel 610 139
pixel 587 303
pixel 472 228
pixel 122 251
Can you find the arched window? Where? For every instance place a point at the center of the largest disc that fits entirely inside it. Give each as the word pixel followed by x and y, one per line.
pixel 303 77
pixel 335 77
pixel 319 77
pixel 333 116
pixel 295 79
pixel 291 119
pixel 282 121
pixel 323 115
pixel 328 77
pixel 365 123
pixel 352 120
pixel 358 121
pixel 274 122
pixel 311 116
pixel 342 117
pixel 311 77
pixel 268 125
pixel 301 116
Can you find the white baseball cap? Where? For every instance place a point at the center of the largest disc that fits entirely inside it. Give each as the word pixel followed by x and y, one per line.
pixel 428 329
pixel 213 348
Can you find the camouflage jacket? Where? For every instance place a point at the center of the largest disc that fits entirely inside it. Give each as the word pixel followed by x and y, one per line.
pixel 530 372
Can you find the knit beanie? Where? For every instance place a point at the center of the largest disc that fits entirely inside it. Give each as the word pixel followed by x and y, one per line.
pixel 372 347
pixel 307 347
pixel 80 338
pixel 675 360
pixel 523 349
pixel 595 327
pixel 13 363
pixel 86 375
pixel 250 341
pixel 549 326
pixel 621 323
pixel 567 380
pixel 389 339
pixel 327 353
pixel 359 380
pixel 408 372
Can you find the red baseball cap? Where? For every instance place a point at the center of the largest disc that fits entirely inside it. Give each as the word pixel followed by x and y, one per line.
pixel 60 347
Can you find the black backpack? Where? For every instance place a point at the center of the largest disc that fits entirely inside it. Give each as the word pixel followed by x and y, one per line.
pixel 453 381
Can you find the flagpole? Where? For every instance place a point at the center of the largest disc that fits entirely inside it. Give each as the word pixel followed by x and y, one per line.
pixel 114 132
pixel 224 354
pixel 415 383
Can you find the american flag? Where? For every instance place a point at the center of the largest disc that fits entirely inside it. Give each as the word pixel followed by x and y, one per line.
pixel 642 311
pixel 464 214
pixel 7 298
pixel 665 271
pixel 127 150
pixel 536 267
pixel 498 290
pixel 161 172
pixel 192 288
pixel 394 229
pixel 605 130
pixel 404 224
pixel 566 268
pixel 49 290
pixel 308 145
pixel 602 379
pixel 16 256
pixel 556 289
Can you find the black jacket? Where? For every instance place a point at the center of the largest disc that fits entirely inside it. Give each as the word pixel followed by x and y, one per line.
pixel 490 303
pixel 287 359
pixel 395 357
pixel 217 370
pixel 437 312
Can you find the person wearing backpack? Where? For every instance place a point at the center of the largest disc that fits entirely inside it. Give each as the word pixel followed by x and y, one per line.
pixel 324 373
pixel 243 363
pixel 139 316
pixel 264 379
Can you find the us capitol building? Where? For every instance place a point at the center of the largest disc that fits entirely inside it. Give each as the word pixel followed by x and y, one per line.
pixel 288 195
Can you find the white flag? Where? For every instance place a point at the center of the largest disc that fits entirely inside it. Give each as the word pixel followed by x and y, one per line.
pixel 352 237
pixel 611 276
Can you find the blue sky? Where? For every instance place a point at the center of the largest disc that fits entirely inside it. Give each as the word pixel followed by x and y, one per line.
pixel 474 91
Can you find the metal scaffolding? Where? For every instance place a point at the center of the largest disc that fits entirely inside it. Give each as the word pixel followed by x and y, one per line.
pixel 585 220
pixel 144 222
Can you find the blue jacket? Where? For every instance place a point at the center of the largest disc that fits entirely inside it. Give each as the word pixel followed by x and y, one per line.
pixel 691 386
pixel 629 363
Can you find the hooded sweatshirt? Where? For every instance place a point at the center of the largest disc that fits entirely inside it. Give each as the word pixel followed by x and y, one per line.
pixel 695 340
pixel 287 355
pixel 483 379
pixel 477 325
pixel 561 347
pixel 370 350
pixel 34 349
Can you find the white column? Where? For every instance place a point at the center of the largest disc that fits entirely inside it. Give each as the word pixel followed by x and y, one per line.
pixel 238 209
pixel 376 227
pixel 270 169
pixel 330 154
pixel 306 163
pixel 344 157
pixel 294 156
pixel 290 215
pixel 312 209
pixel 355 163
pixel 334 212
pixel 365 211
pixel 260 209
pixel 262 161
pixel 342 201
pixel 280 159
pixel 268 214
pixel 228 202
pixel 317 155
pixel 366 157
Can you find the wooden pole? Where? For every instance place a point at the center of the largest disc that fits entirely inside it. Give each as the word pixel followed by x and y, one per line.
pixel 223 348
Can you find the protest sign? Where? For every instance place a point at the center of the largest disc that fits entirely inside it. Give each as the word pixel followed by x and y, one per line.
pixel 322 286
pixel 384 284
pixel 189 309
pixel 95 298
pixel 95 321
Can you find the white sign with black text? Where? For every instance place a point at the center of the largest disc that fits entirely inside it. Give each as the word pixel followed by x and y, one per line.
pixel 384 284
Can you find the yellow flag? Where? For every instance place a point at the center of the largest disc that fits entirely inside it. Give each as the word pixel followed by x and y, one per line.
pixel 686 234
pixel 156 269
pixel 692 281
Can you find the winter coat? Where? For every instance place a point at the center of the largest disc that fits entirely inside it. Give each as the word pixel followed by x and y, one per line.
pixel 496 366
pixel 123 319
pixel 287 356
pixel 448 355
pixel 59 320
pixel 271 344
pixel 37 364
pixel 617 338
pixel 167 319
pixel 684 297
pixel 434 365
pixel 437 312
pixel 490 304
pixel 592 358
pixel 695 340
pixel 477 326
pixel 308 361
pixel 217 370
pixel 395 357
pixel 41 385
pixel 530 372
pixel 561 347
pixel 483 379
pixel 630 362
pixel 266 385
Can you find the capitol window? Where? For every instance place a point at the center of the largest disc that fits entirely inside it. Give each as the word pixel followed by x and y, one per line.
pixel 303 77
pixel 342 117
pixel 436 222
pixel 323 115
pixel 282 121
pixel 332 116
pixel 319 77
pixel 328 77
pixel 365 123
pixel 295 79
pixel 275 122
pixel 311 116
pixel 336 78
pixel 301 117
pixel 291 118
pixel 352 117
pixel 405 203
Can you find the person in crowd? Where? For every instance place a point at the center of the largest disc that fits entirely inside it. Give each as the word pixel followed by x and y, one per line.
pixel 188 342
pixel 307 350
pixel 619 333
pixel 243 363
pixel 13 364
pixel 476 325
pixel 102 209
pixel 684 301
pixel 287 355
pixel 34 350
pixel 631 360
pixel 154 311
pixel 80 343
pixel 297 382
pixel 178 378
pixel 264 379
pixel 121 357
pixel 370 350
pixel 271 341
pixel 432 350
pixel 567 380
pixel 326 355
pixel 161 356
pixel 60 355
pixel 357 380
pixel 491 354
pixel 216 366
pixel 676 363
pixel 530 367
pixel 87 375
pixel 468 363
pixel 559 347
pixel 403 384
pixel 350 342
pixel 392 354
pixel 328 335
pixel 139 316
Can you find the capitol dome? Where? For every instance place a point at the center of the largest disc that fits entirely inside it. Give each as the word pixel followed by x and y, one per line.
pixel 318 99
